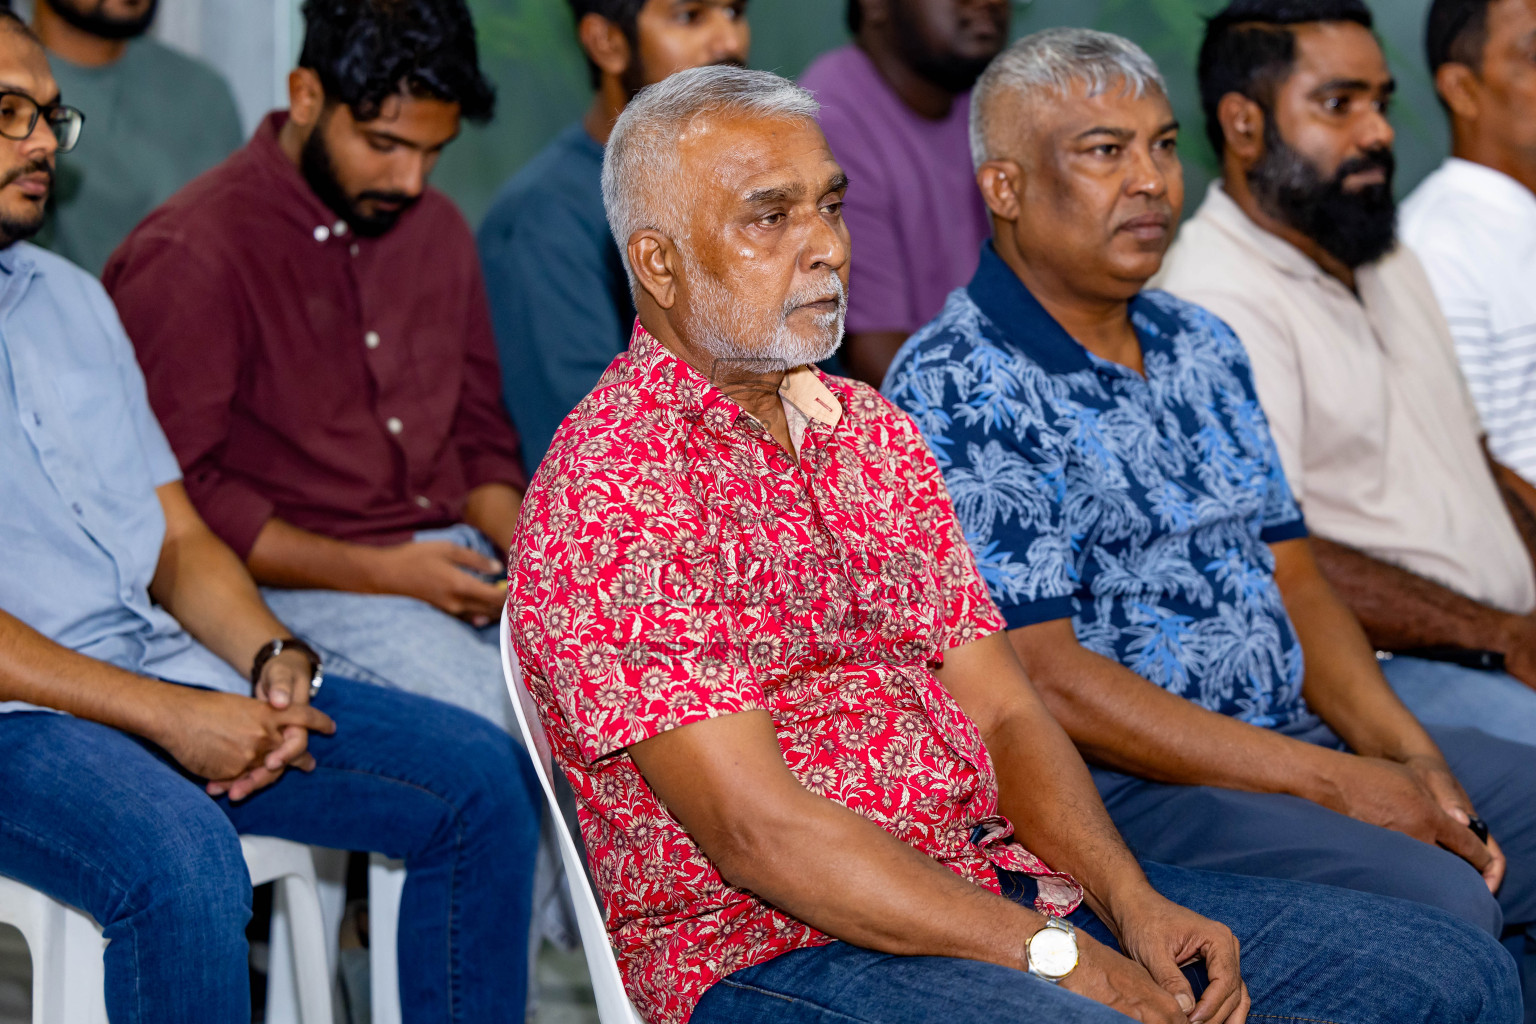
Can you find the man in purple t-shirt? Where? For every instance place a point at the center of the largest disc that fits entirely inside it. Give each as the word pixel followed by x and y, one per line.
pixel 895 106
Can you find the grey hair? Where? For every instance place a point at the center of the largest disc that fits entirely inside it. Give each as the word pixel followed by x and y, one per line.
pixel 640 180
pixel 1053 61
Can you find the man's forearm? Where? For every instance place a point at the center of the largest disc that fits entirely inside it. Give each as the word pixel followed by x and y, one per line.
pixel 1400 610
pixel 1043 785
pixel 1123 722
pixel 286 556
pixel 492 509
pixel 39 671
pixel 1343 683
pixel 726 782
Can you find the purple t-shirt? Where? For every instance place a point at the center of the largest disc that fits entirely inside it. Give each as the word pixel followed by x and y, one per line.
pixel 916 217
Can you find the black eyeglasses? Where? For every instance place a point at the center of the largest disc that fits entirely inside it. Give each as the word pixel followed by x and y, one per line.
pixel 19 113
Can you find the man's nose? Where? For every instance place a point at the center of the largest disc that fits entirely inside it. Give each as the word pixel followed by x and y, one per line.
pixel 1146 176
pixel 42 143
pixel 410 177
pixel 1375 131
pixel 728 41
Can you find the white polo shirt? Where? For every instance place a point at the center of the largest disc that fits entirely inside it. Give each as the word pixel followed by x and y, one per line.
pixel 1379 438
pixel 1474 229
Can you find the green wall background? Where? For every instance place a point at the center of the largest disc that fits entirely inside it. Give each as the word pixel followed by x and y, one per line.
pixel 529 48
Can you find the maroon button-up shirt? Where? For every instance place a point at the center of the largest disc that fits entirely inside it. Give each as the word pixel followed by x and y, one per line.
pixel 346 385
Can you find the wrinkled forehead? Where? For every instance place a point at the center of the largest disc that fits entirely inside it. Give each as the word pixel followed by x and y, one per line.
pixel 1020 118
pixel 726 158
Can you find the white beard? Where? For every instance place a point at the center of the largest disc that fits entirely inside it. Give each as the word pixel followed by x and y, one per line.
pixel 725 329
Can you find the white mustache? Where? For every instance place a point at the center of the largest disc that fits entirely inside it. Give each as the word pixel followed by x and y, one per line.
pixel 818 293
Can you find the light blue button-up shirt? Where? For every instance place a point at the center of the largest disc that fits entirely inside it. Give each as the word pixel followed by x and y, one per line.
pixel 80 457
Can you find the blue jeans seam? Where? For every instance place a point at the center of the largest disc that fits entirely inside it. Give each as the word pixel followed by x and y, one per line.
pixel 1283 1016
pixel 800 1000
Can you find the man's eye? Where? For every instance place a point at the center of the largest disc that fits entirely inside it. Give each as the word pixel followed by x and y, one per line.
pixel 771 220
pixel 381 145
pixel 834 208
pixel 1168 144
pixel 1107 149
pixel 1336 104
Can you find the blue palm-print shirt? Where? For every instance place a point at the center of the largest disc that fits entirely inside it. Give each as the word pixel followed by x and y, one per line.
pixel 1140 507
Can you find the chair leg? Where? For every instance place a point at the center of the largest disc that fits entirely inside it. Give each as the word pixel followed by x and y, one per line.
pixel 386 881
pixel 300 905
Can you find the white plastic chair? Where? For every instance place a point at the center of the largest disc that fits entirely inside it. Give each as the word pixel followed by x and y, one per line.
pixel 613 1005
pixel 67 945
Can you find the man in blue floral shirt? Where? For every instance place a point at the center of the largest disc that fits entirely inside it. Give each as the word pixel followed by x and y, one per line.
pixel 1115 476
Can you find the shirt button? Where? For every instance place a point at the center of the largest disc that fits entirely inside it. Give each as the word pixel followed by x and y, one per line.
pixel 394 425
pixel 423 501
pixel 371 339
pixel 354 249
pixel 322 233
pixel 339 228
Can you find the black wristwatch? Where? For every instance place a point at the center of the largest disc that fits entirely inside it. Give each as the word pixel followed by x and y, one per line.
pixel 272 648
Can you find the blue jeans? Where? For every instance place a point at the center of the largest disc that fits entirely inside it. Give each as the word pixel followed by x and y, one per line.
pixel 1441 693
pixel 1309 953
pixel 403 643
pixel 103 822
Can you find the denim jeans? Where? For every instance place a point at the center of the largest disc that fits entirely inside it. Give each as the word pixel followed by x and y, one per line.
pixel 403 643
pixel 1309 953
pixel 103 822
pixel 1440 693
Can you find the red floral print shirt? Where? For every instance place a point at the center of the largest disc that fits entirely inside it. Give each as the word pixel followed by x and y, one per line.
pixel 673 563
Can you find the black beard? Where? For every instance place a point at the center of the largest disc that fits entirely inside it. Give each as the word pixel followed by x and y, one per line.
pixel 19 229
pixel 636 78
pixel 103 26
pixel 949 72
pixel 320 173
pixel 1355 227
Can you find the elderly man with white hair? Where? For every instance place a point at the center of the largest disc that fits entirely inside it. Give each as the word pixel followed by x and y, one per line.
pixel 807 762
pixel 1115 476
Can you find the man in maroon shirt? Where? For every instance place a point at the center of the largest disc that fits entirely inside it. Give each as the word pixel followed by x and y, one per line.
pixel 312 323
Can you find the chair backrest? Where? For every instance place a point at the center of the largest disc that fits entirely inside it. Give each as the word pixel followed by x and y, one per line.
pixel 613 1005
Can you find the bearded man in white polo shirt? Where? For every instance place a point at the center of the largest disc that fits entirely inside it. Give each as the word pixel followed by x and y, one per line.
pixel 1473 221
pixel 1428 538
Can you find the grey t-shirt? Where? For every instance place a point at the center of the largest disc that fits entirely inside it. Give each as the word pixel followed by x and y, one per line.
pixel 154 120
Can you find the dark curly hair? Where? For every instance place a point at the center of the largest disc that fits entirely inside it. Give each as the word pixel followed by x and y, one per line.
pixel 1249 50
pixel 623 13
pixel 368 50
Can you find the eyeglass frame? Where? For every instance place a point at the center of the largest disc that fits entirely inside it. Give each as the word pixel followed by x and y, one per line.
pixel 41 110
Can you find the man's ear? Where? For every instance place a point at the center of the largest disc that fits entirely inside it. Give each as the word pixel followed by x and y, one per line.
pixel 306 97
pixel 1000 182
pixel 1458 86
pixel 605 44
pixel 652 257
pixel 1242 125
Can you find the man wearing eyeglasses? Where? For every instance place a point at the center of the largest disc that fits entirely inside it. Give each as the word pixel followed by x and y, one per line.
pixel 141 675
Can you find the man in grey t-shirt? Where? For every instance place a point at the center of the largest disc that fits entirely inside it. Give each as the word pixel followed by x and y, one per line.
pixel 158 120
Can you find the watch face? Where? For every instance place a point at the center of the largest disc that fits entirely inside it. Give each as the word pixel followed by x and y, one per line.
pixel 1053 952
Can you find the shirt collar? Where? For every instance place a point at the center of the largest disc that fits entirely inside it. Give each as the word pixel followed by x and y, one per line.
pixel 1222 211
pixel 317 218
pixel 671 378
pixel 1013 309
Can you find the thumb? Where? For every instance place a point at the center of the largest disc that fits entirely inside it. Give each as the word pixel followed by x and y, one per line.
pixel 472 560
pixel 1171 980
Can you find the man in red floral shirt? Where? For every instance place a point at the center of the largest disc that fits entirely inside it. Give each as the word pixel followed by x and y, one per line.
pixel 768 667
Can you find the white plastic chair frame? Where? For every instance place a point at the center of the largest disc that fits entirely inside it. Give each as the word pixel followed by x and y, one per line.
pixel 67 945
pixel 613 1005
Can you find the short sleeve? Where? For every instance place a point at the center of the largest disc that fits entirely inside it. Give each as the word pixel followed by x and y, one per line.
pixel 615 606
pixel 999 463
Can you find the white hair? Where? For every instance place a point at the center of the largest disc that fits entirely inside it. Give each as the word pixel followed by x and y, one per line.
pixel 641 188
pixel 1053 61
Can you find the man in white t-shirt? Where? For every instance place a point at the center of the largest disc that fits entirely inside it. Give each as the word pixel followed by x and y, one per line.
pixel 1473 221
